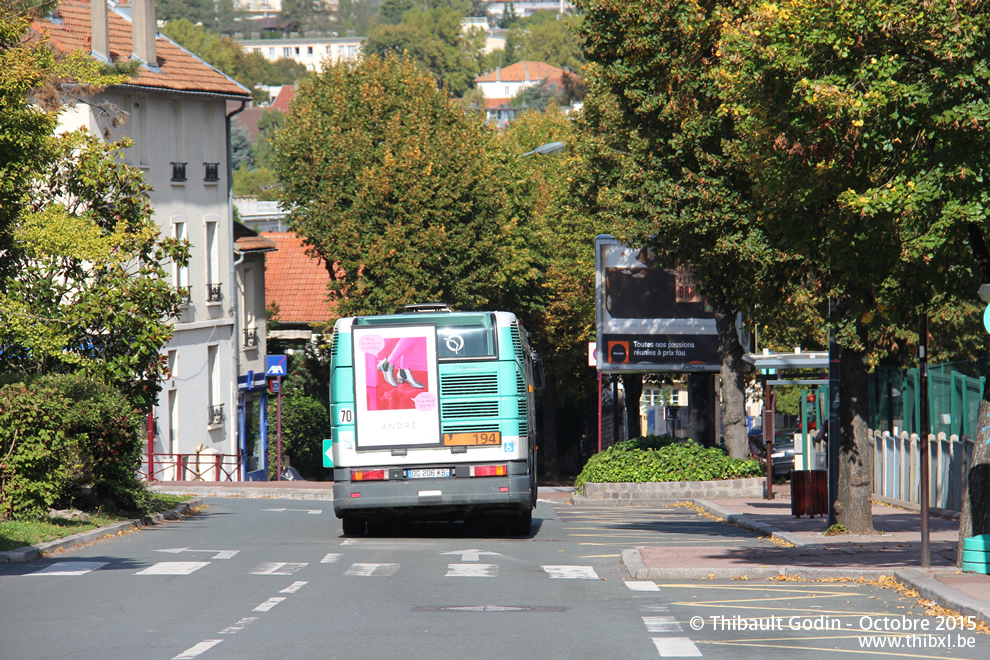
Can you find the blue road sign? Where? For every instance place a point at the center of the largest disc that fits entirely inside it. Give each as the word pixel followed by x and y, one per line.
pixel 277 366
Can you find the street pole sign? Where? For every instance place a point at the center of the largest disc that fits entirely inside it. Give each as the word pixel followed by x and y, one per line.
pixel 277 367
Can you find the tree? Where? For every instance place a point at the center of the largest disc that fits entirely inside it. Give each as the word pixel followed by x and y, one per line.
pixel 543 38
pixel 91 293
pixel 393 187
pixel 240 145
pixel 435 40
pixel 863 122
pixel 30 68
pixel 549 280
pixel 665 180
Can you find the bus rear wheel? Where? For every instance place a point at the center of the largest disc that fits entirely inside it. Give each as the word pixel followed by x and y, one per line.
pixel 520 526
pixel 353 526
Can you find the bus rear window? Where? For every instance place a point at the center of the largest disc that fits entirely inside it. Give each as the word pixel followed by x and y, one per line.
pixel 460 335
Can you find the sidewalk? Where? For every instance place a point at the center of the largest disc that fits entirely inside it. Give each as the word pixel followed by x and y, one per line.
pixel 894 552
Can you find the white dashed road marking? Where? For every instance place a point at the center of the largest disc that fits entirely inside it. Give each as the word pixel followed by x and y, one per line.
pixel 372 570
pixel 277 568
pixel 676 647
pixel 331 558
pixel 269 604
pixel 640 585
pixel 192 652
pixel 293 588
pixel 70 568
pixel 571 572
pixel 472 570
pixel 240 625
pixel 174 568
pixel 660 624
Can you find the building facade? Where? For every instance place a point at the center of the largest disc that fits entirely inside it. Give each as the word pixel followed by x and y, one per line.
pixel 309 51
pixel 175 112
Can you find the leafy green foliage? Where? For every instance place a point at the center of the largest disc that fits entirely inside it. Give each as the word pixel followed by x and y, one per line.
pixel 59 433
pixel 541 37
pixel 663 458
pixel 92 291
pixel 435 41
pixel 393 186
pixel 305 424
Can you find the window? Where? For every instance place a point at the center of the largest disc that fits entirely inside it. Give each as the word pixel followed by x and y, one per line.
pixel 271 52
pixel 215 406
pixel 175 142
pixel 297 50
pixel 309 50
pixel 247 310
pixel 507 90
pixel 213 289
pixel 181 273
pixel 286 51
pixel 351 52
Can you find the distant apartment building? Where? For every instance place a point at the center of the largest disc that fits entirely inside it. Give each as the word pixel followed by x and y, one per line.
pixel 500 86
pixel 525 8
pixel 309 51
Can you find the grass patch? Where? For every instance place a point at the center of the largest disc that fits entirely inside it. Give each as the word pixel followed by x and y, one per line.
pixel 18 533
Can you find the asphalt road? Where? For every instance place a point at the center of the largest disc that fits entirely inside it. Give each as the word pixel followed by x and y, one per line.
pixel 277 579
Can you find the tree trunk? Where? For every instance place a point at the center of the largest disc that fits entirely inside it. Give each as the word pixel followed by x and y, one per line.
pixel 975 517
pixel 854 506
pixel 548 444
pixel 633 384
pixel 733 383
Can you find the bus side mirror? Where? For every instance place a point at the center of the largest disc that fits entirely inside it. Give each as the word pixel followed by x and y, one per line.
pixel 539 378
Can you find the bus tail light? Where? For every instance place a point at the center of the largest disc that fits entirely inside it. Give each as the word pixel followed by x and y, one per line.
pixel 489 470
pixel 367 475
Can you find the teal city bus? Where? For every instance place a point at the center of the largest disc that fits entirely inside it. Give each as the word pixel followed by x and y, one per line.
pixel 433 418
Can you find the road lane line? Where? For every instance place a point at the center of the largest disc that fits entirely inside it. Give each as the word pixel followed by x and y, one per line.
pixel 269 604
pixel 472 570
pixel 641 585
pixel 174 568
pixel 70 568
pixel 372 570
pixel 661 624
pixel 293 588
pixel 571 572
pixel 193 651
pixel 277 568
pixel 676 647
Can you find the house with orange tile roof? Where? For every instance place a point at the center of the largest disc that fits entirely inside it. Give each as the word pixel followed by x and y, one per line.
pixel 174 110
pixel 501 85
pixel 296 283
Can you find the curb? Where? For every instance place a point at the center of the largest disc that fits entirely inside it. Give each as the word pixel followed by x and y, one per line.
pixel 32 552
pixel 943 594
pixel 248 492
pixel 740 520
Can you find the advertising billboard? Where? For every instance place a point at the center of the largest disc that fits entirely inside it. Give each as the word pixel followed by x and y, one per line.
pixel 396 384
pixel 650 318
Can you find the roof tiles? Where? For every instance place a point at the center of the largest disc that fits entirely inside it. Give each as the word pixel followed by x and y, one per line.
pixel 296 281
pixel 180 70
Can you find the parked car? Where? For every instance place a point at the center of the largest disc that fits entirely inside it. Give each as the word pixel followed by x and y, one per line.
pixel 783 449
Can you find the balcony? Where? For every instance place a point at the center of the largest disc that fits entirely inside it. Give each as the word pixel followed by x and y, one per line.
pixel 185 295
pixel 214 292
pixel 216 414
pixel 178 172
pixel 212 174
pixel 251 338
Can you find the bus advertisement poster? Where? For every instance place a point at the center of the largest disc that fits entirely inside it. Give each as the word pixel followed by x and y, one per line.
pixel 396 383
pixel 650 318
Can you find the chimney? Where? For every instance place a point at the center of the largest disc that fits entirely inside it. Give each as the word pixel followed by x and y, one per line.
pixel 99 30
pixel 526 71
pixel 143 31
pixel 498 74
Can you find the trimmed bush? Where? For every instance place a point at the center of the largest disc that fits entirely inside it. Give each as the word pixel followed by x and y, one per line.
pixel 663 458
pixel 37 457
pixel 59 433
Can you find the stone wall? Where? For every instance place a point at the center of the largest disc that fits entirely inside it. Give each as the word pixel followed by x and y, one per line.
pixel 674 490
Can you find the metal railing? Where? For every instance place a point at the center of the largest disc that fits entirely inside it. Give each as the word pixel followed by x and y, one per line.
pixel 191 467
pixel 185 293
pixel 214 292
pixel 212 173
pixel 897 467
pixel 250 338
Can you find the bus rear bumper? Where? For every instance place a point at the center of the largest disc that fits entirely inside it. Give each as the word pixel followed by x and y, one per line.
pixel 421 498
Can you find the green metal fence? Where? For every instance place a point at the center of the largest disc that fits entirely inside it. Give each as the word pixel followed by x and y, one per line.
pixel 954 393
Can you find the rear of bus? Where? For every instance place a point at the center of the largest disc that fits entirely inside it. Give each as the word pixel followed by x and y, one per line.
pixel 433 419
